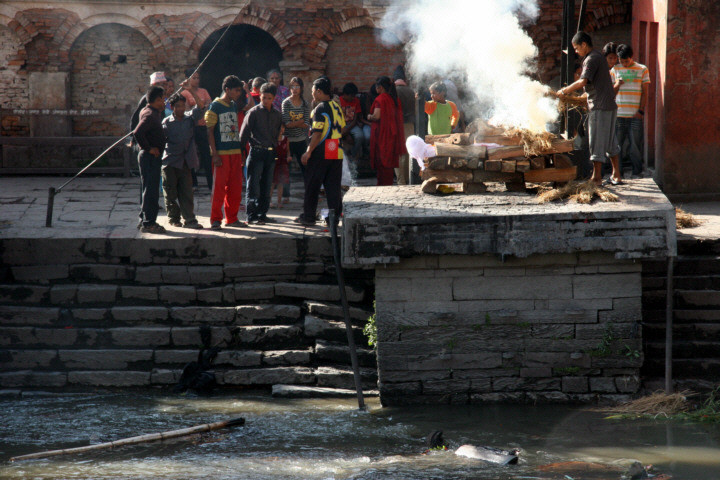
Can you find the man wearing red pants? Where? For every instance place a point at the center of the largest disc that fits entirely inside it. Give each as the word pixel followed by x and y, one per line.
pixel 223 135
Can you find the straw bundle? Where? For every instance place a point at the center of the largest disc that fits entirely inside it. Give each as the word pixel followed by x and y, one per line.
pixel 685 220
pixel 534 143
pixel 658 403
pixel 581 192
pixel 572 101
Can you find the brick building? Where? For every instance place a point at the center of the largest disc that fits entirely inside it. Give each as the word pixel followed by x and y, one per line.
pixel 97 55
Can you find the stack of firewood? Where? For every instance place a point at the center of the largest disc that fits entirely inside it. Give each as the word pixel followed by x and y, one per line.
pixel 520 157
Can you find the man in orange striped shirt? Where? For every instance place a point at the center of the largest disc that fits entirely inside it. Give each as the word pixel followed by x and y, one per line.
pixel 631 100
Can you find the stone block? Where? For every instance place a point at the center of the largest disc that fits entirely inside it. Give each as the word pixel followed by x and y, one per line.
pixel 392 290
pixel 394 376
pixel 536 372
pixel 574 384
pixel 262 314
pixel 203 315
pixel 267 335
pixel 269 376
pixel 18 315
pixel 608 285
pixel 228 293
pixel 27 359
pixel 445 387
pixel 55 337
pixel 221 336
pixel 520 288
pixel 148 275
pixel 313 291
pixel 286 357
pixel 627 383
pixel 339 377
pixel 239 358
pixel 505 397
pixel 480 385
pixel 185 336
pixel 28 378
pixel 159 376
pixel 139 315
pixel 110 359
pixel 90 314
pixel 205 275
pixel 33 294
pixel 63 294
pixel 623 267
pixel 175 274
pixel 253 291
pixel 454 361
pixel 501 384
pixel 177 294
pixel 340 353
pixel 422 288
pixel 40 273
pixel 181 357
pixel 109 378
pixel 90 293
pixel 140 337
pixel 139 293
pixel 400 388
pixel 603 385
pixel 210 295
pixel 101 272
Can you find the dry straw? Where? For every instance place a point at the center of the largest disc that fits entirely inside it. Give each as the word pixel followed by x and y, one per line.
pixel 685 220
pixel 658 403
pixel 581 192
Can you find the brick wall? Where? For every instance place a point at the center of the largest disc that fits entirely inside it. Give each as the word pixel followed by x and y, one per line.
pixel 359 56
pixel 111 66
pixel 14 82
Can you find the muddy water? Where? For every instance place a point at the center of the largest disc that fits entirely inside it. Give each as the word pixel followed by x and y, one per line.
pixel 330 439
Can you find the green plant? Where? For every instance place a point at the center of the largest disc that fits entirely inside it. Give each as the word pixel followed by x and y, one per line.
pixel 370 329
pixel 630 352
pixel 451 344
pixel 567 370
pixel 487 318
pixel 604 347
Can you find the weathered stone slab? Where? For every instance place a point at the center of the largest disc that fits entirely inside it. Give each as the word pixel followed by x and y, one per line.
pixel 202 315
pixel 205 275
pixel 267 314
pixel 210 295
pixel 109 359
pixel 267 335
pixel 151 274
pixel 63 294
pixel 90 314
pixel 29 378
pixel 26 359
pixel 335 311
pixel 40 273
pixel 109 378
pixel 128 292
pixel 330 330
pixel 101 272
pixel 239 358
pixel 177 294
pixel 340 353
pixel 32 294
pixel 181 357
pixel 252 291
pixel 286 357
pixel 268 376
pixel 296 391
pixel 18 315
pixel 185 336
pixel 159 376
pixel 144 314
pixel 140 337
pixel 607 285
pixel 344 378
pixel 311 291
pixel 90 293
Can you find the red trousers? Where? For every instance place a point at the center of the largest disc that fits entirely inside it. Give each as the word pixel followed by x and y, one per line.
pixel 227 188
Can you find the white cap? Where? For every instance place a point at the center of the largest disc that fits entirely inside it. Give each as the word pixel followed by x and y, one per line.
pixel 157 77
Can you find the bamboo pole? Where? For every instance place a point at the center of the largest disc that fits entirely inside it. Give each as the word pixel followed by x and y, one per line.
pixel 151 437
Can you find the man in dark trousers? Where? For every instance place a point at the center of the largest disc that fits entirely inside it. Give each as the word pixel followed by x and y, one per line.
pixel 595 77
pixel 151 140
pixel 323 156
pixel 262 127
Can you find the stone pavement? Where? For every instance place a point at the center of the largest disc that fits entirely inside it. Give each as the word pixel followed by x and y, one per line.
pixel 108 207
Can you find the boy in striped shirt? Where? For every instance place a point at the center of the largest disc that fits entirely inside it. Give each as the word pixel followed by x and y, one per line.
pixel 631 100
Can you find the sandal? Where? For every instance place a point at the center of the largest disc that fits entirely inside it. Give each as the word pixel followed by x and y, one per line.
pixel 153 229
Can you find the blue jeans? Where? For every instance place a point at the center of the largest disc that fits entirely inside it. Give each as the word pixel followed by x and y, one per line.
pixel 358 139
pixel 631 129
pixel 150 167
pixel 260 168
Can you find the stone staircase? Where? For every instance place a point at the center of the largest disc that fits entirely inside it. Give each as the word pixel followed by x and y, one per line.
pixel 696 317
pixel 115 324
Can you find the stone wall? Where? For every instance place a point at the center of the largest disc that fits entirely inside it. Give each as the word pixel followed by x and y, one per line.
pixel 459 329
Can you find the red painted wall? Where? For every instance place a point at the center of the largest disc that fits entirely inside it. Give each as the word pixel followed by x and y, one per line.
pixel 685 133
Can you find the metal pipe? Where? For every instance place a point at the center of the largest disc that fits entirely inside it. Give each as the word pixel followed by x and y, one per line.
pixel 669 326
pixel 581 18
pixel 346 310
pixel 51 204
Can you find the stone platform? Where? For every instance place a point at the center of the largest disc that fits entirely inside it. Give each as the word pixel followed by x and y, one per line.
pixel 495 297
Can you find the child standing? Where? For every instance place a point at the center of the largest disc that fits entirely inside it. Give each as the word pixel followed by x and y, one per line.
pixel 443 114
pixel 223 126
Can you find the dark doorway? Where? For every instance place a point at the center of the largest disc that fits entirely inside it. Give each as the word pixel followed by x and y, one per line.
pixel 245 51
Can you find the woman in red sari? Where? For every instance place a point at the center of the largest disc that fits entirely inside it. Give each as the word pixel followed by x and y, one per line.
pixel 387 135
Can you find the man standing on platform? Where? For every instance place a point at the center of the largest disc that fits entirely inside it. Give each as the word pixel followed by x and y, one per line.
pixel 407 102
pixel 324 155
pixel 151 139
pixel 201 134
pixel 595 77
pixel 262 127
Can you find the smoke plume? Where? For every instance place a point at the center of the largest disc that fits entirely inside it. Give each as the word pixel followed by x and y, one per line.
pixel 480 44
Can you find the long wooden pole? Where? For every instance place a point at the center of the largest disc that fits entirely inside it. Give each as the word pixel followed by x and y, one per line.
pixel 151 437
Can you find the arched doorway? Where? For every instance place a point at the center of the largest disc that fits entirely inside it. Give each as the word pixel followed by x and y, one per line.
pixel 245 51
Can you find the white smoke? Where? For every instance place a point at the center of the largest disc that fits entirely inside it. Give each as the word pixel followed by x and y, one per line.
pixel 482 43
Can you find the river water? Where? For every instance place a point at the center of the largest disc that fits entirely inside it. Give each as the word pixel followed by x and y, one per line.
pixel 330 439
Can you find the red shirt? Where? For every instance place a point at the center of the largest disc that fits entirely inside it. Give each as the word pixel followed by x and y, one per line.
pixel 350 109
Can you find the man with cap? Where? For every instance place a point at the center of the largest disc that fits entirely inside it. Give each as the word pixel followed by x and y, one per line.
pixel 157 79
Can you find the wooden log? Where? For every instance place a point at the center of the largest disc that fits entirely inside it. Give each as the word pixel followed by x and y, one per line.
pixel 522 165
pixel 562 161
pixel 508 166
pixel 438 163
pixel 452 139
pixel 551 175
pixel 474 163
pixel 429 185
pixel 499 139
pixel 474 188
pixel 461 151
pixel 537 163
pixel 457 162
pixel 448 176
pixel 515 186
pixel 493 165
pixel 135 440
pixel 432 139
pixel 506 152
pixel 485 176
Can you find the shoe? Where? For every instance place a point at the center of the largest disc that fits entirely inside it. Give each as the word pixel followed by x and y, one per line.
pixel 253 221
pixel 155 228
pixel 307 223
pixel 285 200
pixel 216 225
pixel 265 219
pixel 616 181
pixel 175 223
pixel 237 224
pixel 194 225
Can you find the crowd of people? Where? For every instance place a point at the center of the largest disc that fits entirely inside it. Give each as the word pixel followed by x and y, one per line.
pixel 247 136
pixel 617 89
